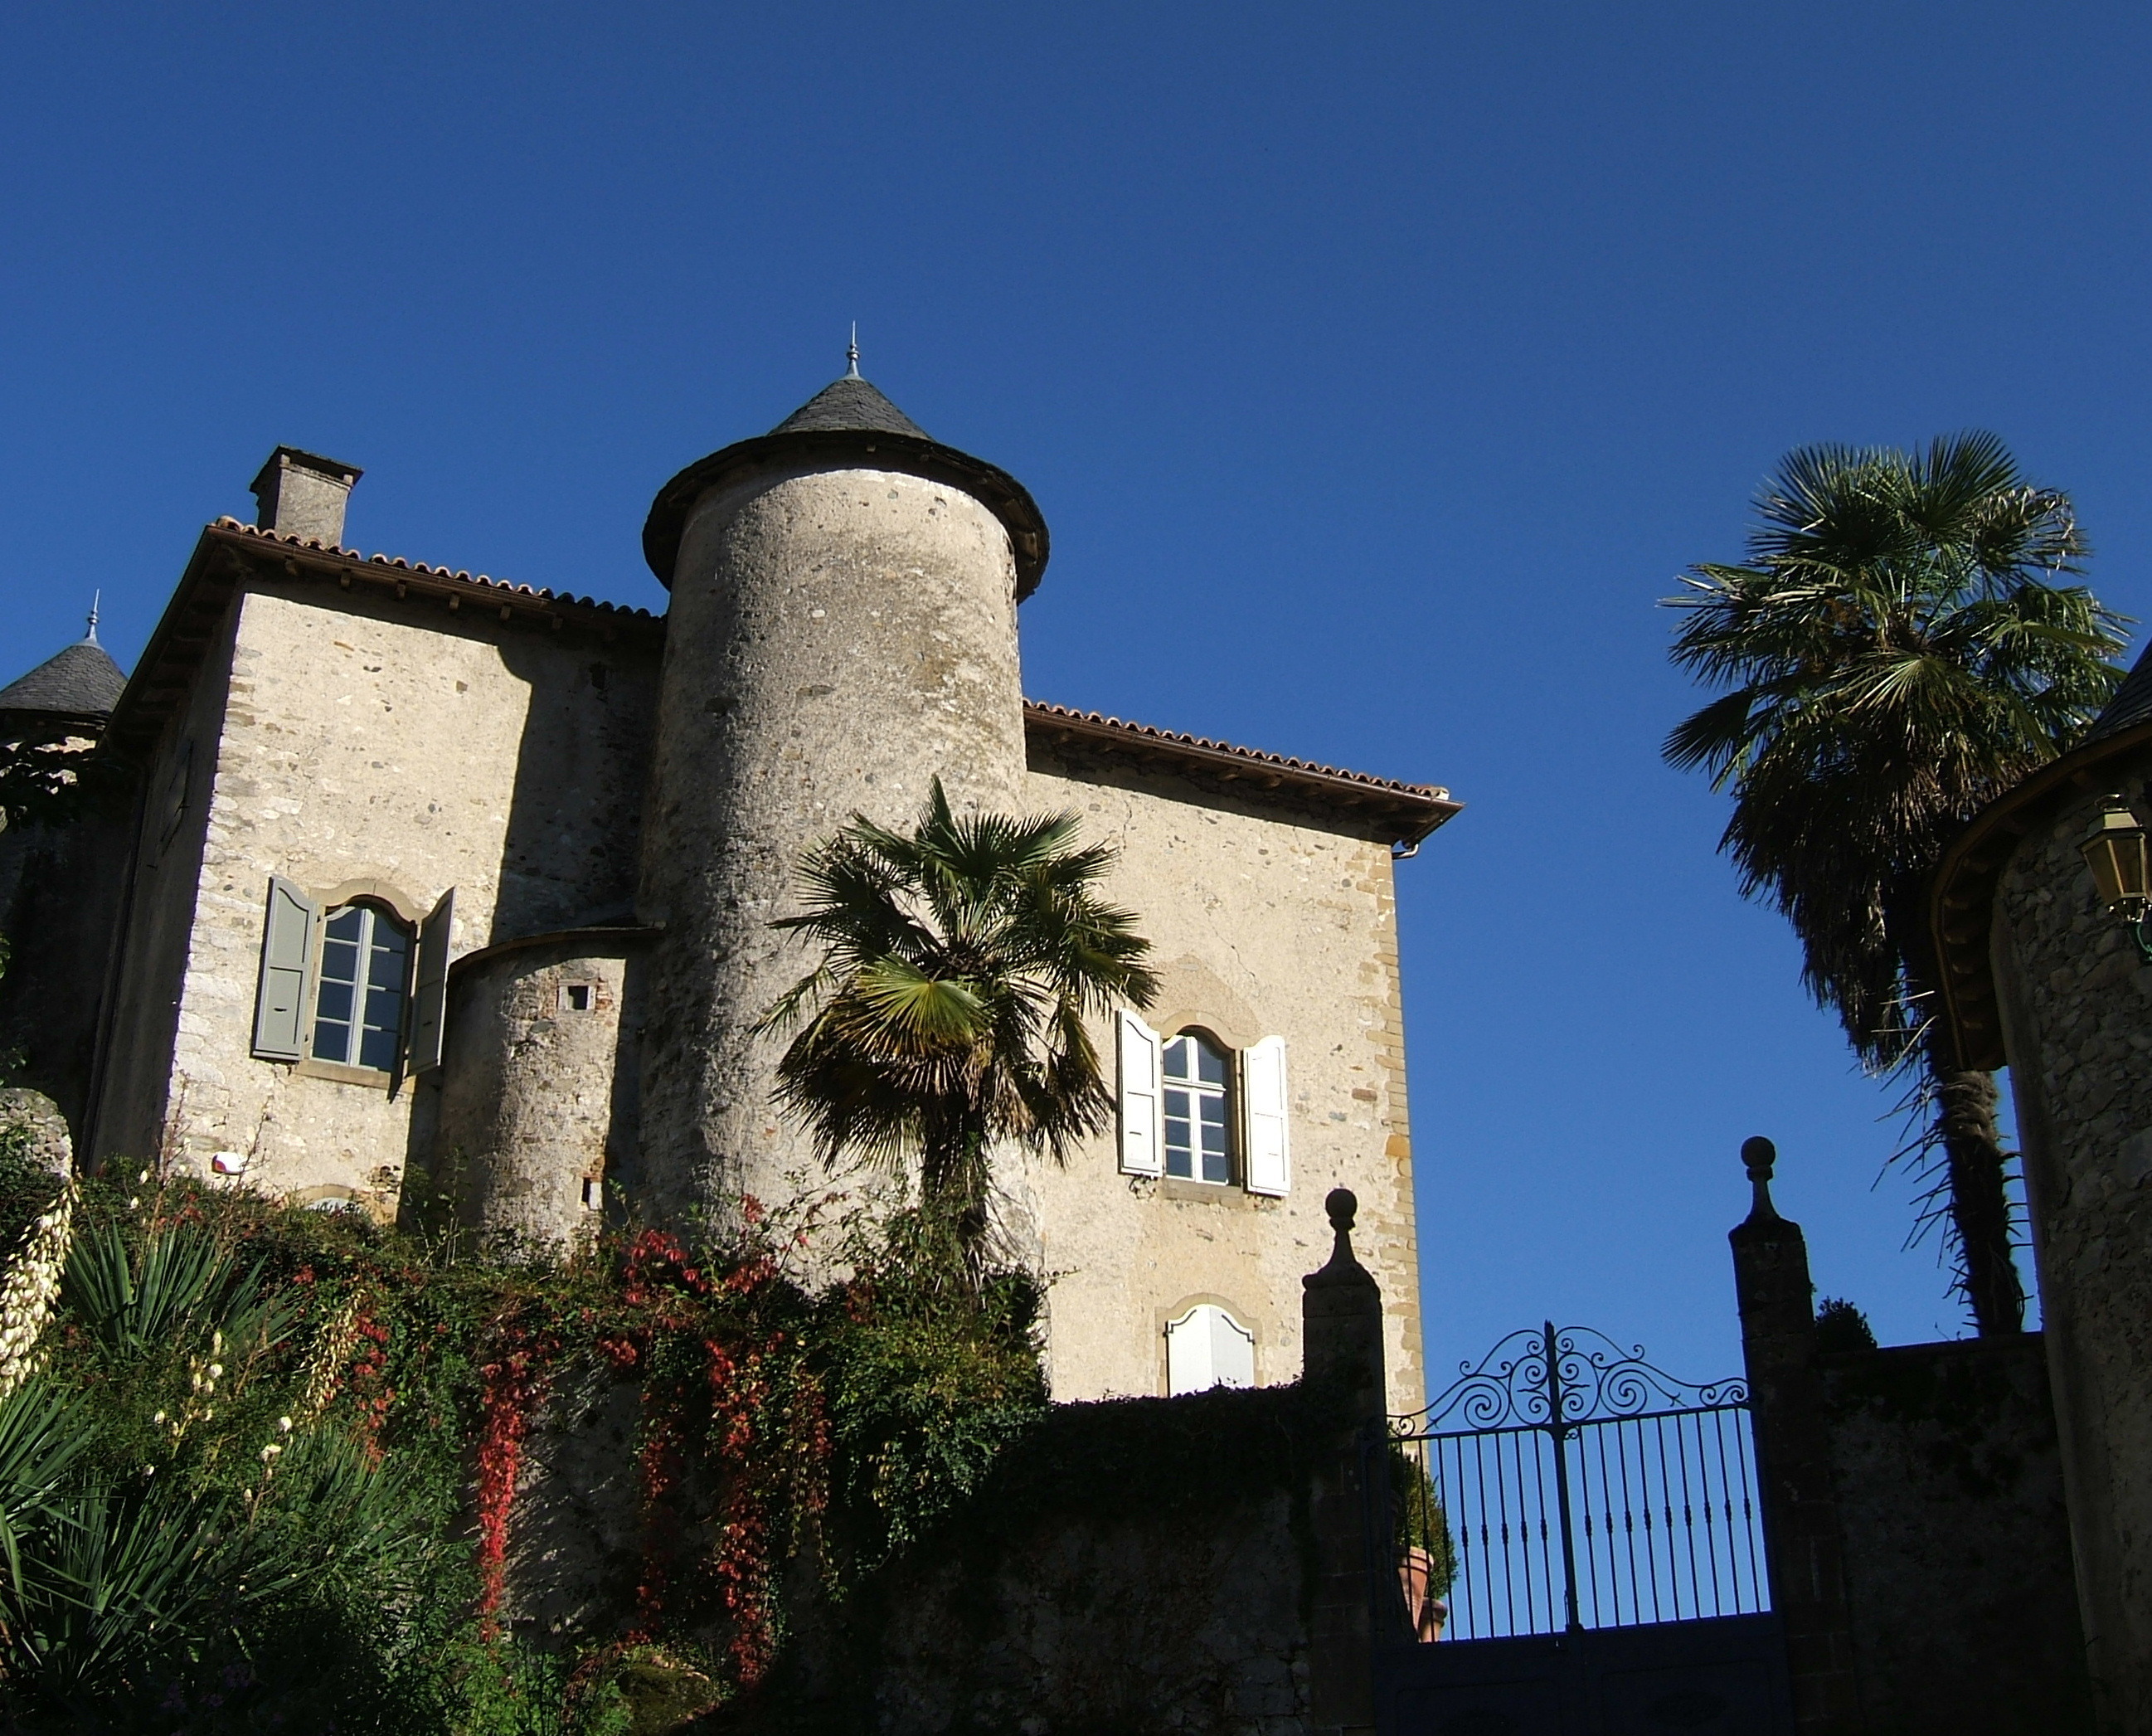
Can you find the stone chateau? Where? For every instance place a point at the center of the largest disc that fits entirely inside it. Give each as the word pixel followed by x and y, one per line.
pixel 415 873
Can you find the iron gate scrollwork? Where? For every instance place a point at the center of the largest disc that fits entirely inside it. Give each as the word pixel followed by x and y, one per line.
pixel 1564 1484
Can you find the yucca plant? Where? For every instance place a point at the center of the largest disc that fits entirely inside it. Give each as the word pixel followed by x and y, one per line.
pixel 959 963
pixel 1902 649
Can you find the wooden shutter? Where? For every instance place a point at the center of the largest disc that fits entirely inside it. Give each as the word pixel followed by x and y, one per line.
pixel 285 995
pixel 429 987
pixel 1262 1095
pixel 1143 1141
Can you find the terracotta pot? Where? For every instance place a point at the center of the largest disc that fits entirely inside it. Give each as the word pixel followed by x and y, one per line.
pixel 1426 1612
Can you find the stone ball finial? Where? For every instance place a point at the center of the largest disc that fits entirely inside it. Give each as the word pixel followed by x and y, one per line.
pixel 1758 1156
pixel 1343 1206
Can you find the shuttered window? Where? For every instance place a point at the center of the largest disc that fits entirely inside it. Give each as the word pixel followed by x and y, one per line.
pixel 429 987
pixel 286 991
pixel 1198 1111
pixel 1266 1118
pixel 1139 1046
pixel 364 976
pixel 1208 1348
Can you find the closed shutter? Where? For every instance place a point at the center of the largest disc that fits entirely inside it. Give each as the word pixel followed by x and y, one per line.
pixel 1208 1348
pixel 285 994
pixel 1262 1090
pixel 429 987
pixel 1143 1151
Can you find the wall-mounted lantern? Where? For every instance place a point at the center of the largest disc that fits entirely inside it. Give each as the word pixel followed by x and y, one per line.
pixel 2116 854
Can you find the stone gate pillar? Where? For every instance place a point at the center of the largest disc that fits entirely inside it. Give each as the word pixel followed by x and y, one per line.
pixel 1793 1452
pixel 1342 1355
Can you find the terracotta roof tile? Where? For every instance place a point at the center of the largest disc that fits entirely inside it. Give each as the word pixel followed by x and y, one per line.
pixel 1173 738
pixel 399 563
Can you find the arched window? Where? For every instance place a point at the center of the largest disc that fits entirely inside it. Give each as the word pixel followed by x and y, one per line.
pixel 1198 1120
pixel 365 975
pixel 1208 1348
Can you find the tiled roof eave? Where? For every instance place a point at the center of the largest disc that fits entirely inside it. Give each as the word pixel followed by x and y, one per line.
pixel 1403 813
pixel 227 549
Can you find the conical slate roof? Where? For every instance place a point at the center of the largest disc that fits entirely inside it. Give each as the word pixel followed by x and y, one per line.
pixel 852 405
pixel 2131 705
pixel 847 420
pixel 81 682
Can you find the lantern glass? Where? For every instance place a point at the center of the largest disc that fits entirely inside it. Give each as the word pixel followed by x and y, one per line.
pixel 2116 854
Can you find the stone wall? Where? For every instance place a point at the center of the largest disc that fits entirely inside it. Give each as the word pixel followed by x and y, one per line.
pixel 534 1106
pixel 347 740
pixel 1912 1506
pixel 1959 1588
pixel 1133 1566
pixel 836 640
pixel 2076 1003
pixel 1263 920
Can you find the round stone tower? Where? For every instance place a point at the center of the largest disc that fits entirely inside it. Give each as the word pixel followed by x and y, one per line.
pixel 842 631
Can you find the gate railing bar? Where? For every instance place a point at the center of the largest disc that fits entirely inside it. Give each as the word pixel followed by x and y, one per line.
pixel 1668 1528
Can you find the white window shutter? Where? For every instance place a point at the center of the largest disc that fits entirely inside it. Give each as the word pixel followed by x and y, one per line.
pixel 1188 1346
pixel 1208 1348
pixel 1263 1098
pixel 1143 1131
pixel 429 987
pixel 285 996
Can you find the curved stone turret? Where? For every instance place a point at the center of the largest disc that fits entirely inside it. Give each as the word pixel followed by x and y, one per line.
pixel 842 630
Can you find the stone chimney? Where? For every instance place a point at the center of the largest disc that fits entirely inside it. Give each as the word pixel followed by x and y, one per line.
pixel 304 495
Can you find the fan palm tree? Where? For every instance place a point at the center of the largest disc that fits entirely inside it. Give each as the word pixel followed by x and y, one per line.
pixel 1902 649
pixel 946 1015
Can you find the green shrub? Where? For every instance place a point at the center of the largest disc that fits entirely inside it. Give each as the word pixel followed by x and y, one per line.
pixel 261 1477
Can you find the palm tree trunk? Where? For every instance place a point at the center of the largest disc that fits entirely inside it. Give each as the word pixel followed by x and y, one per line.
pixel 1973 1158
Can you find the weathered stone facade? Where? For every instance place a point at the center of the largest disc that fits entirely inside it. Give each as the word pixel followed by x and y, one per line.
pixel 1264 922
pixel 2041 975
pixel 2076 1008
pixel 593 815
pixel 837 641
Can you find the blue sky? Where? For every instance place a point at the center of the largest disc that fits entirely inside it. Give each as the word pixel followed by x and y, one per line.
pixel 1376 367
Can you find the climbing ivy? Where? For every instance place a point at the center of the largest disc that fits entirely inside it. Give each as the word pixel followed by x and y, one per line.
pixel 326 1421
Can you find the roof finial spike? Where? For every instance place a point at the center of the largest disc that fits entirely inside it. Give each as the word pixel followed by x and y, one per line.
pixel 852 354
pixel 95 598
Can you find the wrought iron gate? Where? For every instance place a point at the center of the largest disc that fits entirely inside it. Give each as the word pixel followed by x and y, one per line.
pixel 1569 1539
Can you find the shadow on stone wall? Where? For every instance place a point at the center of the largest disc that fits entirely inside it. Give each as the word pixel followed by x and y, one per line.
pixel 1913 1508
pixel 1959 1586
pixel 1143 1565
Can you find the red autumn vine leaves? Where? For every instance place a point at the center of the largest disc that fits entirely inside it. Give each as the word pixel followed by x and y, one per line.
pixel 721 1397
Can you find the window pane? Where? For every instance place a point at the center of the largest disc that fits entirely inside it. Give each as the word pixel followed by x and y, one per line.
pixel 1177 1058
pixel 384 1010
pixel 345 924
pixel 332 1041
pixel 1210 1063
pixel 377 1049
pixel 335 1003
pixel 339 961
pixel 389 948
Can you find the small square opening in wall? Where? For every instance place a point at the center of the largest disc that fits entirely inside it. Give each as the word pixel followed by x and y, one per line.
pixel 578 996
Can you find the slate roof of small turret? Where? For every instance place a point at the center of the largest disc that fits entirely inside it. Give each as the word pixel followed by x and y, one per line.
pixel 845 416
pixel 849 404
pixel 2131 705
pixel 81 682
